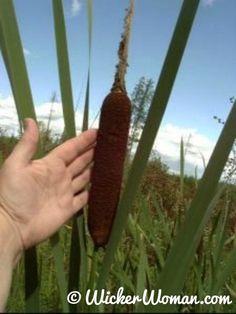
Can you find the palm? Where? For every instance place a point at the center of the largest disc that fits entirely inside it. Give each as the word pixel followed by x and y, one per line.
pixel 43 194
pixel 48 197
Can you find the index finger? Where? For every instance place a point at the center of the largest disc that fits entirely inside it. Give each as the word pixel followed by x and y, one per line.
pixel 74 147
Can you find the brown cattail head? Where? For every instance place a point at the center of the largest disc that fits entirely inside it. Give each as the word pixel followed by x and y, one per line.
pixel 108 165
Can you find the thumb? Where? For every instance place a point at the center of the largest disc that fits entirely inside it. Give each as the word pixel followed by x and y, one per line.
pixel 27 146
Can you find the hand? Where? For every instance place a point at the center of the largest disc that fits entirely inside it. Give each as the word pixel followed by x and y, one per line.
pixel 37 197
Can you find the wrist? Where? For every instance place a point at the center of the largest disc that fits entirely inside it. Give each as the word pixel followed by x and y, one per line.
pixel 11 246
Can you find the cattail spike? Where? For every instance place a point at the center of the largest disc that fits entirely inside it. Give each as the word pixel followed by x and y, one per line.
pixel 108 165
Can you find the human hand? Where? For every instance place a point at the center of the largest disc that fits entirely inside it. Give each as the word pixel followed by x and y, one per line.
pixel 37 197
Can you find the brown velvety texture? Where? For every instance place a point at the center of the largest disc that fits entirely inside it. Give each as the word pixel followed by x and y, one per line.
pixel 108 166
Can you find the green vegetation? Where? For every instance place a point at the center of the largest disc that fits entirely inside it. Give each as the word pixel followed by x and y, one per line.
pixel 152 226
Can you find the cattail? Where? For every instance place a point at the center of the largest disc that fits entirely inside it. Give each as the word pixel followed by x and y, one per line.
pixel 110 150
pixel 108 165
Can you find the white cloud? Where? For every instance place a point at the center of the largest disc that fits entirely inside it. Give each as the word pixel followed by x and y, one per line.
pixel 208 3
pixel 167 142
pixel 9 120
pixel 8 115
pixel 26 51
pixel 54 110
pixel 75 7
pixel 199 147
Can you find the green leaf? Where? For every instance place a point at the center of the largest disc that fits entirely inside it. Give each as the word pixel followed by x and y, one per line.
pixel 78 256
pixel 31 281
pixel 70 131
pixel 226 271
pixel 13 56
pixel 86 105
pixel 5 58
pixel 220 238
pixel 63 67
pixel 141 274
pixel 182 161
pixel 90 27
pixel 59 267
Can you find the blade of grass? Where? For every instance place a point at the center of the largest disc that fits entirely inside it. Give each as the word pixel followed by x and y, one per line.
pixel 220 238
pixel 12 51
pixel 86 105
pixel 162 218
pixel 81 219
pixel 155 114
pixel 141 275
pixel 173 275
pixel 59 266
pixel 6 62
pixel 228 269
pixel 182 161
pixel 14 57
pixel 74 262
pixel 63 68
pixel 70 131
pixel 78 278
pixel 31 281
pixel 93 270
pixel 123 280
pixel 149 233
pixel 90 26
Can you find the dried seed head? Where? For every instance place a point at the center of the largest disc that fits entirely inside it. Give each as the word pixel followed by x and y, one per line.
pixel 119 81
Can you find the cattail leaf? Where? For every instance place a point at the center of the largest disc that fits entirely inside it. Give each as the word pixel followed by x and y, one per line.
pixel 6 62
pixel 227 270
pixel 141 274
pixel 90 24
pixel 182 162
pixel 69 120
pixel 59 266
pixel 31 281
pixel 86 105
pixel 63 68
pixel 155 114
pixel 123 280
pixel 220 238
pixel 93 270
pixel 13 55
pixel 163 219
pixel 150 232
pixel 78 256
pixel 90 28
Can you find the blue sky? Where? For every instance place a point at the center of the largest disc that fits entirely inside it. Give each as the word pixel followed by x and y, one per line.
pixel 205 81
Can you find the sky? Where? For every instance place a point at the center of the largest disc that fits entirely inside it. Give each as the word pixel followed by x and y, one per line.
pixel 202 88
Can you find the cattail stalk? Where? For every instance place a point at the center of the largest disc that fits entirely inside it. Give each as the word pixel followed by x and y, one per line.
pixel 111 148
